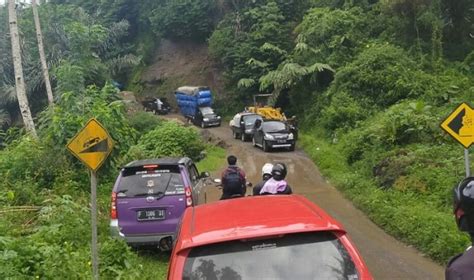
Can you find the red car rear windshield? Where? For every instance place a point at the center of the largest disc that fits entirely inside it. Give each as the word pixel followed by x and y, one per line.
pixel 140 182
pixel 318 255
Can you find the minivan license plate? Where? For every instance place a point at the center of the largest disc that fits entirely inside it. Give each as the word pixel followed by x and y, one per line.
pixel 150 215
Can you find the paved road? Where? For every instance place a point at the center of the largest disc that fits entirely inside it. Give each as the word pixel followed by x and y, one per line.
pixel 386 257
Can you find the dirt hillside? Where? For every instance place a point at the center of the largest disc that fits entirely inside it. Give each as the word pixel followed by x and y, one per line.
pixel 177 64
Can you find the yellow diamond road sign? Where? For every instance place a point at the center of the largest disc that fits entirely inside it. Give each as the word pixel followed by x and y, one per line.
pixel 460 125
pixel 92 145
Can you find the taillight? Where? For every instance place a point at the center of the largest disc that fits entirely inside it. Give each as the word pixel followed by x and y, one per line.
pixel 113 207
pixel 189 197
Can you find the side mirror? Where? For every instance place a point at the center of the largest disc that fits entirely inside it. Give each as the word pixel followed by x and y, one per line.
pixel 205 174
pixel 217 181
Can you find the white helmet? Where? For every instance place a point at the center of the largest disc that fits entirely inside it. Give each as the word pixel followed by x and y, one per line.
pixel 267 169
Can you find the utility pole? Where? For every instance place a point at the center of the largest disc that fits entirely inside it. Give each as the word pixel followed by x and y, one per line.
pixel 44 65
pixel 19 80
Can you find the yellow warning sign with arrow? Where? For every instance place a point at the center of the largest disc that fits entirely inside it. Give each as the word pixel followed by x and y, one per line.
pixel 460 125
pixel 91 145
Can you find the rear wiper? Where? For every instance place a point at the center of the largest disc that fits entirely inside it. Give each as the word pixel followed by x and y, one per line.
pixel 157 194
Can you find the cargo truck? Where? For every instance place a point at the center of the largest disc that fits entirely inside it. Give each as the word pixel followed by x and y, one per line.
pixel 195 105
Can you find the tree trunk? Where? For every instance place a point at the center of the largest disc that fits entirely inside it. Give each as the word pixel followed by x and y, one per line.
pixel 44 65
pixel 19 80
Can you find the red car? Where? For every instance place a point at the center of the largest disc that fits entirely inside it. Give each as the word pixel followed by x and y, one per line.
pixel 263 237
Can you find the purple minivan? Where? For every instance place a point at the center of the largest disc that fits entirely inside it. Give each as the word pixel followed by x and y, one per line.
pixel 149 197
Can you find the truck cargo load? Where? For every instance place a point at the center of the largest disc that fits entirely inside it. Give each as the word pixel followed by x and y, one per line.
pixel 195 105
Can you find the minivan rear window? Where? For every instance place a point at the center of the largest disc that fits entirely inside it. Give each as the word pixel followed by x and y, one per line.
pixel 317 255
pixel 139 182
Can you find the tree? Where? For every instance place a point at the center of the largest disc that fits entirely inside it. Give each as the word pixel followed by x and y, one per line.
pixel 242 41
pixel 19 81
pixel 44 65
pixel 287 74
pixel 184 19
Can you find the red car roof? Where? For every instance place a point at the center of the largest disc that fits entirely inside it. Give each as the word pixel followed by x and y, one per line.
pixel 252 217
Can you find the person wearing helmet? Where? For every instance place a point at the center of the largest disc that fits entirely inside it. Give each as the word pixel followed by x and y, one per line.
pixel 461 266
pixel 277 184
pixel 266 174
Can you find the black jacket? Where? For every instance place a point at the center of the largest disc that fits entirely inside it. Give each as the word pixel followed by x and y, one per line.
pixel 258 187
pixel 461 267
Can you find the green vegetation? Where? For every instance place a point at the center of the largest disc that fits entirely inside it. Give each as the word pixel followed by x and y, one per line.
pixel 408 210
pixel 45 219
pixel 371 82
pixel 184 19
pixel 144 121
pixel 45 228
pixel 214 160
pixel 168 139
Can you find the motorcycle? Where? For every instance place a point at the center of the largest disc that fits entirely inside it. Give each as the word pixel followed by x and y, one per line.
pixel 219 186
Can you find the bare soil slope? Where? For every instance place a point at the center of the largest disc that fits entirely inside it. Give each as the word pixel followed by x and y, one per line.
pixel 177 64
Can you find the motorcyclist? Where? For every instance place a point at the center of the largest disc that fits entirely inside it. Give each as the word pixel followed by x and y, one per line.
pixel 277 184
pixel 461 266
pixel 293 124
pixel 233 180
pixel 266 174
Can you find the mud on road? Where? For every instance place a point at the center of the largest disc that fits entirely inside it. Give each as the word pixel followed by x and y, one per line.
pixel 386 257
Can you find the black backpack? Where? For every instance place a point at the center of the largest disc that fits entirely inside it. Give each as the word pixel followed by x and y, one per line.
pixel 232 183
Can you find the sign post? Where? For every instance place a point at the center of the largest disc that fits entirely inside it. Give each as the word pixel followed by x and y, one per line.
pixel 94 247
pixel 92 145
pixel 460 125
pixel 467 162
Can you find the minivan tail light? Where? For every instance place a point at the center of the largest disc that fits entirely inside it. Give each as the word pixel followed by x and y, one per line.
pixel 113 207
pixel 189 197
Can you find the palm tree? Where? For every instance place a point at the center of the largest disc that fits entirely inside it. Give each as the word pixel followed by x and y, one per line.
pixel 19 80
pixel 44 66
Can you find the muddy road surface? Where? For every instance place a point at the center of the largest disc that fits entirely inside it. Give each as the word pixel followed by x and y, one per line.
pixel 386 257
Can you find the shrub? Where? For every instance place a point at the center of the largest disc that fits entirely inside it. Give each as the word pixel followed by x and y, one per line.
pixel 70 114
pixel 59 246
pixel 381 75
pixel 392 168
pixel 28 166
pixel 143 121
pixel 343 112
pixel 402 124
pixel 168 139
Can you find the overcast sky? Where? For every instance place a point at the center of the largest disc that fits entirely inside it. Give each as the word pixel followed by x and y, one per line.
pixel 24 1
